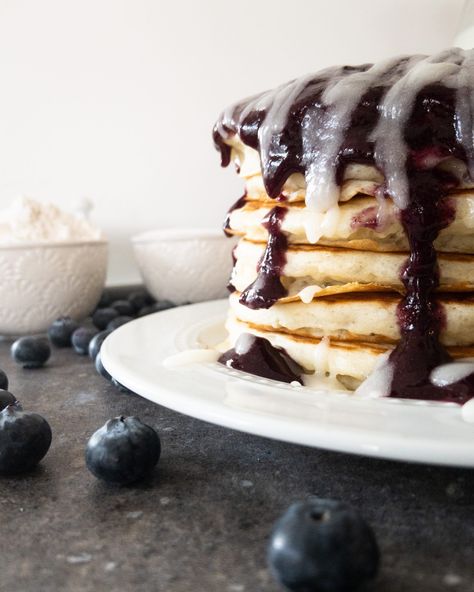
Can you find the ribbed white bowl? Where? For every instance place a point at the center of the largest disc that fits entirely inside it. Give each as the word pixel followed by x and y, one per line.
pixel 184 265
pixel 40 282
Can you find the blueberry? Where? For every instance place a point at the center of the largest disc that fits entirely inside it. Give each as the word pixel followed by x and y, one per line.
pixel 96 343
pixel 81 338
pixel 139 298
pixel 7 398
pixel 121 387
pixel 124 308
pixel 100 368
pixel 24 440
pixel 123 451
pixel 156 307
pixel 118 322
pixel 322 546
pixel 105 300
pixel 61 330
pixel 31 352
pixel 3 380
pixel 102 317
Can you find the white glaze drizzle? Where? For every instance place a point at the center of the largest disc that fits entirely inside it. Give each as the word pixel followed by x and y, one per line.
pixel 306 295
pixel 465 108
pixel 447 374
pixel 395 110
pixel 378 383
pixel 467 411
pixel 321 357
pixel 319 224
pixel 324 130
pixel 191 356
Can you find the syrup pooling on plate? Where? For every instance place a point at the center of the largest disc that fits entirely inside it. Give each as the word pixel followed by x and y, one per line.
pixel 258 356
pixel 406 116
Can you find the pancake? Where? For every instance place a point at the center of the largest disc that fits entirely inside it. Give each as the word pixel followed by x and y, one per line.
pixel 370 318
pixel 346 270
pixel 357 178
pixel 349 362
pixel 356 225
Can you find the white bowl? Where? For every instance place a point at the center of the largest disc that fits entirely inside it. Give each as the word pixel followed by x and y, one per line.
pixel 40 282
pixel 184 265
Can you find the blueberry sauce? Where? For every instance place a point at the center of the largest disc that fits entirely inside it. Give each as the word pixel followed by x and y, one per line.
pixel 405 116
pixel 258 356
pixel 368 218
pixel 420 316
pixel 237 205
pixel 267 288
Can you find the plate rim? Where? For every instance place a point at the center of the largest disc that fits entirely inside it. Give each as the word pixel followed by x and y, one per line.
pixel 325 435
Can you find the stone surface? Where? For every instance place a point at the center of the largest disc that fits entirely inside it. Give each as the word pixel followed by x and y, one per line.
pixel 201 522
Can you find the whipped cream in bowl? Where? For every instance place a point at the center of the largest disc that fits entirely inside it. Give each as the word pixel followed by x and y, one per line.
pixel 52 262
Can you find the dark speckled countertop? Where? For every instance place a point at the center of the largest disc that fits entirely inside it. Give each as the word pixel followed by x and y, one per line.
pixel 202 521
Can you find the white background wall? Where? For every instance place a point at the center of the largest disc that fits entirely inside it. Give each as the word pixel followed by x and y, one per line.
pixel 115 99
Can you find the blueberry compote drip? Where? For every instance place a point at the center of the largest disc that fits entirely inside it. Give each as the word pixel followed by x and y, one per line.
pixel 420 315
pixel 258 356
pixel 237 205
pixel 267 288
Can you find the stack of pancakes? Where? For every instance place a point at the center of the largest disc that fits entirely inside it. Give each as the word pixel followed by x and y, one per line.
pixel 342 271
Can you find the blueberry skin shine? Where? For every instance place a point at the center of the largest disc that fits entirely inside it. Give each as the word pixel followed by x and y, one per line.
pixel 322 546
pixel 96 343
pixel 123 451
pixel 25 438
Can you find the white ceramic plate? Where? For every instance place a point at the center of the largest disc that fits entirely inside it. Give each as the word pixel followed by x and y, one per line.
pixel 388 428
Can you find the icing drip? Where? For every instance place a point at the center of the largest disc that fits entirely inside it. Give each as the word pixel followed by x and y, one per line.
pixel 451 373
pixel 258 356
pixel 378 384
pixel 323 134
pixel 395 110
pixel 267 288
pixel 306 295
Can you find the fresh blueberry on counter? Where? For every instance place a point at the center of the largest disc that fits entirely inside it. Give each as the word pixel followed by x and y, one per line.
pixel 31 352
pixel 3 380
pixel 322 546
pixel 156 307
pixel 7 398
pixel 61 330
pixel 118 322
pixel 105 300
pixel 102 317
pixel 124 308
pixel 96 343
pixel 25 438
pixel 139 298
pixel 100 368
pixel 81 339
pixel 123 451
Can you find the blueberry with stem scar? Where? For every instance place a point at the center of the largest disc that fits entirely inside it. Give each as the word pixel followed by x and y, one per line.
pixel 324 546
pixel 123 451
